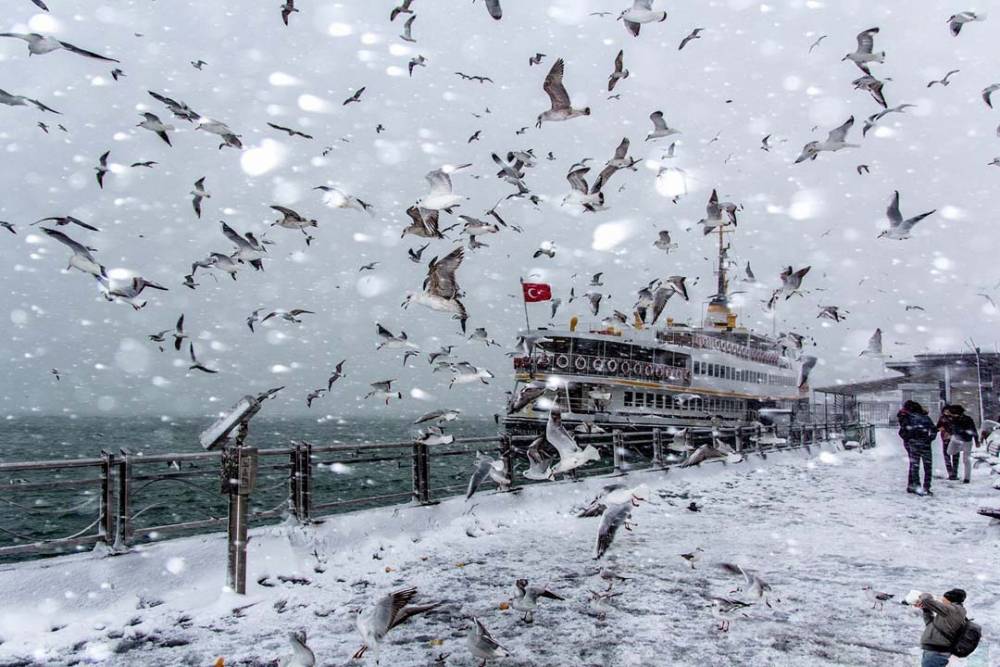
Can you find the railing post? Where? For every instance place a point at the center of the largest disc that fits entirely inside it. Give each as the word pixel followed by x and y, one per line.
pixel 814 434
pixel 657 447
pixel 421 487
pixel 617 445
pixel 294 483
pixel 106 525
pixel 305 486
pixel 507 454
pixel 123 525
pixel 239 474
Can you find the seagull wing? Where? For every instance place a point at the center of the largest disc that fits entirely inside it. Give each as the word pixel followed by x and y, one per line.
pixel 866 40
pixel 602 178
pixel 441 274
pixel 493 7
pixel 612 519
pixel 234 236
pixel 658 122
pixel 554 88
pixel 76 247
pixel 895 217
pixel 440 182
pixel 576 180
pixel 83 52
pixel 839 134
pixel 559 438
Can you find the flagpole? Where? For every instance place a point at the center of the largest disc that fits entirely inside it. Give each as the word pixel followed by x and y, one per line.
pixel 527 324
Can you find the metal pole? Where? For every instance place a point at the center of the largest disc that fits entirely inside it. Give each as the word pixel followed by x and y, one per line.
pixel 106 525
pixel 415 472
pixel 617 444
pixel 657 447
pixel 507 453
pixel 123 525
pixel 527 324
pixel 305 469
pixel 236 570
pixel 979 387
pixel 294 482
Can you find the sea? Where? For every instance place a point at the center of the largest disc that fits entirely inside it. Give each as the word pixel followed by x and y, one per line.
pixel 162 495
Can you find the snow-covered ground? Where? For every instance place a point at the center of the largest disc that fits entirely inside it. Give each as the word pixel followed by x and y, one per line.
pixel 818 527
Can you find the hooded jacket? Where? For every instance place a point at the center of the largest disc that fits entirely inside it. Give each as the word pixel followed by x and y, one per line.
pixel 942 621
pixel 916 427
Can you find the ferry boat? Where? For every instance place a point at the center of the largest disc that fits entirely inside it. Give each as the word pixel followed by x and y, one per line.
pixel 612 376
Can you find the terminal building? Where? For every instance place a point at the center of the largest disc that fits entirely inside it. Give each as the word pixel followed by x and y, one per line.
pixel 969 379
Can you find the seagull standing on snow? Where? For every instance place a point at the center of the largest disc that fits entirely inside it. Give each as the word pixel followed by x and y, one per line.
pixel 528 596
pixel 899 228
pixel 482 645
pixel 302 655
pixel 641 12
pixel 441 290
pixel 835 141
pixel 562 108
pixel 387 612
pixel 487 468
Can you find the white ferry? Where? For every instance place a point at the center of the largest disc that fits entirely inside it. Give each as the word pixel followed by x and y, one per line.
pixel 613 376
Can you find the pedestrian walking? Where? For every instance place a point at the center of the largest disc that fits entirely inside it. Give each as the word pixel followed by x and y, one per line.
pixel 946 428
pixel 964 434
pixel 917 432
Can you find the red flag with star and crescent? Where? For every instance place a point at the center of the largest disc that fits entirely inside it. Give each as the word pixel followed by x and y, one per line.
pixel 535 292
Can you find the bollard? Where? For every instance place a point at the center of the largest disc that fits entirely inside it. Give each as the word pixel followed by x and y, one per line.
pixel 507 454
pixel 657 447
pixel 123 525
pixel 239 474
pixel 617 445
pixel 106 524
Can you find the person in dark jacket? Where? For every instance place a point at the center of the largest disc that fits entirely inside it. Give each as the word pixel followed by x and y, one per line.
pixel 945 428
pixel 942 621
pixel 964 434
pixel 917 431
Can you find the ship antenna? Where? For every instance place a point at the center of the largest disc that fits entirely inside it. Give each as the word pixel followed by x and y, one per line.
pixel 723 287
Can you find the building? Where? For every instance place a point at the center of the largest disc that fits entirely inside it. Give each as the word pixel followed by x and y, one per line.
pixel 970 379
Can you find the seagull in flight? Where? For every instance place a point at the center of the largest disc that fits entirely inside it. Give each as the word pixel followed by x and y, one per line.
pixel 441 195
pixel 873 120
pixel 403 8
pixel 441 290
pixel 835 141
pixel 660 128
pixel 899 228
pixel 290 132
pixel 338 372
pixel 41 44
pixel 197 365
pixel 198 194
pixel 356 97
pixel 695 34
pixel 81 259
pixel 816 43
pixel 388 612
pixel 561 107
pixel 956 21
pixel 619 73
pixel 20 101
pixel 153 123
pixel 128 293
pixel 287 9
pixel 863 56
pixel 102 168
pixel 641 12
pixel 944 80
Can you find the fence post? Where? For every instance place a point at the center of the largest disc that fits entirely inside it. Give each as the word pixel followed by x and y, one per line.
pixel 421 488
pixel 106 525
pixel 294 483
pixel 305 486
pixel 814 434
pixel 239 473
pixel 617 444
pixel 507 454
pixel 738 439
pixel 657 447
pixel 123 525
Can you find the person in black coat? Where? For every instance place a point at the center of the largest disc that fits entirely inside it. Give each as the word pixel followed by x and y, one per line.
pixel 917 431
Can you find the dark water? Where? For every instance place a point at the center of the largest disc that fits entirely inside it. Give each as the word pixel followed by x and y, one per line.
pixel 192 493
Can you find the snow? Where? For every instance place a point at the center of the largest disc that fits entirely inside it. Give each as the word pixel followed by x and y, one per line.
pixel 818 526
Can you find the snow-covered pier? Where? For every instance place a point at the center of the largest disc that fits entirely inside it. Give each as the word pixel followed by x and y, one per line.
pixel 819 527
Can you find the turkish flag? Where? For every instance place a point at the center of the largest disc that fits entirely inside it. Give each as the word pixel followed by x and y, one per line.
pixel 534 292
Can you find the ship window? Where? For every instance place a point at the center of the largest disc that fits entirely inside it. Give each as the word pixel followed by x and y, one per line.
pixel 616 350
pixel 643 354
pixel 729 372
pixel 628 399
pixel 650 400
pixel 555 345
pixel 593 348
pixel 659 401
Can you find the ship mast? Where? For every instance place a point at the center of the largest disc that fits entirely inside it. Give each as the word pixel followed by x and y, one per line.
pixel 719 316
pixel 722 293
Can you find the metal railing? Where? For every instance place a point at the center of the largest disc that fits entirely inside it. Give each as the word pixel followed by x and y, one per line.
pixel 119 500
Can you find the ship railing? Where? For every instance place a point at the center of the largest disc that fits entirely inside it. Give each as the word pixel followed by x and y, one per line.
pixel 119 500
pixel 598 366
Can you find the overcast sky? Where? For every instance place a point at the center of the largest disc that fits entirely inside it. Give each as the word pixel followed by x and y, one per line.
pixel 749 75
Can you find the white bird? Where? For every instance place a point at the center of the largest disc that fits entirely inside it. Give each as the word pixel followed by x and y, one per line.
pixel 875 118
pixel 641 12
pixel 383 390
pixel 40 45
pixel 527 598
pixel 581 194
pixel 229 138
pixel 337 198
pixel 441 197
pixel 465 373
pixel 864 55
pixel 899 228
pixel 388 612
pixel 660 127
pixel 663 241
pixel 561 107
pixel 21 101
pixel 291 219
pixel 482 645
pixel 756 586
pixel 153 123
pixel 614 517
pixel 391 341
pixel 873 86
pixel 248 249
pixel 570 454
pixel 198 194
pixel 487 468
pixel 717 450
pixel 302 655
pixel 619 73
pixel 129 292
pixel 874 347
pixel 613 494
pixel 434 435
pixel 424 223
pixel 791 280
pixel 722 608
pixel 835 141
pixel 441 291
pixel 539 466
pixel 956 21
pixel 594 299
pixel 81 259
pixel 438 416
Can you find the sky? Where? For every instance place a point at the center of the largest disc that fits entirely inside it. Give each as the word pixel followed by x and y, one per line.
pixel 751 74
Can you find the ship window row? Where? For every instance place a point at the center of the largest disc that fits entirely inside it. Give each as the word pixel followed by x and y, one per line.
pixel 638 399
pixel 724 372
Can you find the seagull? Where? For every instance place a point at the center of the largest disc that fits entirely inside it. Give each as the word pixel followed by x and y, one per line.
pixel 128 293
pixel 8 226
pixel 527 598
pixel 441 196
pixel 198 194
pixel 539 466
pixel 717 450
pixel 218 261
pixel 195 364
pixel 899 228
pixel 229 138
pixel 248 249
pixel 641 12
pixel 338 373
pixel 863 56
pixel 988 91
pixel 695 34
pixel 480 79
pixel 419 61
pixel 403 8
pixel 816 43
pixel 288 315
pixel 148 164
pixel 487 468
pixel 873 86
pixel 536 59
pixel 441 290
pixel 159 337
pixel 55 372
pixel 179 334
pixel 424 225
pixel 582 194
pixel 944 81
pixel 81 259
pixel 764 146
pixel 289 131
pixel 368 267
pixel 383 390
pixel 614 517
pixel 198 64
pixel 337 198
pixel 62 221
pixel 692 557
pixel 562 108
pixel 756 586
pixel 570 455
pixel 21 101
pixel 407 35
pixel 722 607
pixel 356 97
pixel 749 276
pixel 875 118
pixel 713 214
pixel 102 168
pixel 313 395
pixel 464 373
pixel 390 340
pixel 40 5
pixel 388 612
pixel 835 141
pixel 438 416
pixel 40 45
pixel 493 7
pixel 153 123
pixel 863 169
pixel 663 241
pixel 179 109
pixel 292 219
pixel 610 494
pixel 791 280
pixel 287 10
pixel 956 21
pixel 482 645
pixel 619 73
pixel 660 128
pixel 874 347
pixel 830 313
pixel 594 298
pixel 302 655
pixel 416 254
pixel 480 334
